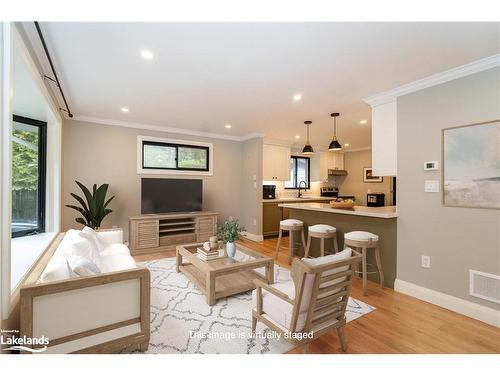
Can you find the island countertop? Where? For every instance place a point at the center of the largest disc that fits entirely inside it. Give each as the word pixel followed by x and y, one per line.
pixel 386 212
pixel 295 199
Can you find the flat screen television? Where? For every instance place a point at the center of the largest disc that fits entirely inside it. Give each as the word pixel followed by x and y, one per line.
pixel 164 195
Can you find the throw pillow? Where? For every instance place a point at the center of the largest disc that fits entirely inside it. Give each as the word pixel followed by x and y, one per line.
pixel 94 237
pixel 83 246
pixel 81 266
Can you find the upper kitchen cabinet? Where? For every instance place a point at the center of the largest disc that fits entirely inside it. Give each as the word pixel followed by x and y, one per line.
pixel 384 133
pixel 384 140
pixel 322 161
pixel 335 160
pixel 276 162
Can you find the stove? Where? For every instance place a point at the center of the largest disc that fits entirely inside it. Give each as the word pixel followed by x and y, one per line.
pixel 333 191
pixel 330 191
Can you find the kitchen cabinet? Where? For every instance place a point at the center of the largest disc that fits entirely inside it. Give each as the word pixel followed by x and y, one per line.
pixel 384 139
pixel 319 166
pixel 276 163
pixel 322 161
pixel 271 217
pixel 335 160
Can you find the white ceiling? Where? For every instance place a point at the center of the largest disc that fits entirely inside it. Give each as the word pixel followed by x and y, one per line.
pixel 205 75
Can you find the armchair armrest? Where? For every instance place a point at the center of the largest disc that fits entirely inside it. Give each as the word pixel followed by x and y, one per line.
pixel 278 293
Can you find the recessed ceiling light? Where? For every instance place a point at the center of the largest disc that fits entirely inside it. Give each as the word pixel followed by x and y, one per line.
pixel 347 144
pixel 227 126
pixel 297 136
pixel 363 122
pixel 125 109
pixel 146 54
pixel 297 97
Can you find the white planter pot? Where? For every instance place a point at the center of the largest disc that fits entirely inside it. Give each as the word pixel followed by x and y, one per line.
pixel 231 249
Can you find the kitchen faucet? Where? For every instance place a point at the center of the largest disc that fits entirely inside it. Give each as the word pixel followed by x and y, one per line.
pixel 305 188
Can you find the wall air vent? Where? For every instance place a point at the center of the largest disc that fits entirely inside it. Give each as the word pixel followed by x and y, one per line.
pixel 484 285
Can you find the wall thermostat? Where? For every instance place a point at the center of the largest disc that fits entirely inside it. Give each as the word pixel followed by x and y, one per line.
pixel 431 166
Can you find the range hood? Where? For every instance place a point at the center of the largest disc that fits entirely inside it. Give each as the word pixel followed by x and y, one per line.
pixel 337 172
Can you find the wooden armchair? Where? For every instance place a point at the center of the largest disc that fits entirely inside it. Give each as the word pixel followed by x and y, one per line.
pixel 313 303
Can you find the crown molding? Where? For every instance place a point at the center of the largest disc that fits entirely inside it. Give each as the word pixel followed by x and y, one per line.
pixel 433 80
pixel 277 142
pixel 164 129
pixel 358 149
pixel 251 136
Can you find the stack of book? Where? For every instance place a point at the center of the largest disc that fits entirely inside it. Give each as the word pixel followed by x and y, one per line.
pixel 210 254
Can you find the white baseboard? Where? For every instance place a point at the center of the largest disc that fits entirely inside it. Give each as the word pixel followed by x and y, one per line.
pixel 253 237
pixel 458 305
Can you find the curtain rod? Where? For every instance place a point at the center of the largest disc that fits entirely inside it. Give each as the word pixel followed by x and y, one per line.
pixel 56 80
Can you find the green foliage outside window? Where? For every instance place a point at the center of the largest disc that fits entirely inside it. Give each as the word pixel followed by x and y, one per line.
pixel 193 158
pixel 24 162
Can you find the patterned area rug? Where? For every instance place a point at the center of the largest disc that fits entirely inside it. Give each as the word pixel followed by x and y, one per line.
pixel 182 322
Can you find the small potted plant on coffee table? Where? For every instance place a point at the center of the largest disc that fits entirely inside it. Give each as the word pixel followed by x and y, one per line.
pixel 230 232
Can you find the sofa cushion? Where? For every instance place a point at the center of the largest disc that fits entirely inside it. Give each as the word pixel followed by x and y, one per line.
pixel 110 236
pixel 119 262
pixel 57 267
pixel 115 249
pixel 80 266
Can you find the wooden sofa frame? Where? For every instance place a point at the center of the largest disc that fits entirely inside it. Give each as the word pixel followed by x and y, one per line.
pixel 101 335
pixel 327 312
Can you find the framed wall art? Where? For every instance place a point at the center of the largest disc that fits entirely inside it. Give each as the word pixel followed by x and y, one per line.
pixel 471 165
pixel 369 177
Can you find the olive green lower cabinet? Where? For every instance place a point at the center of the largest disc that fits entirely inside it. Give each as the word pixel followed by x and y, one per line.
pixel 272 215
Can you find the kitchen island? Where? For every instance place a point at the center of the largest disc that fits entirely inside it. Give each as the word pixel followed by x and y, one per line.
pixel 381 221
pixel 272 214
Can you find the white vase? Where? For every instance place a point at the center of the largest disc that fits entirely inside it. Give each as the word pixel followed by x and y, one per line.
pixel 231 249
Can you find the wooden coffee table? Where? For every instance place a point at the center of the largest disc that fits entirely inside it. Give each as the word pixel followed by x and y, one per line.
pixel 224 276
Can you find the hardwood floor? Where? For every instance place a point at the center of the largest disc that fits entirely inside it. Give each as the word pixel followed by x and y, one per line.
pixel 400 324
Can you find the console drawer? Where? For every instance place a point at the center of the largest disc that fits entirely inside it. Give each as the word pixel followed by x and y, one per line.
pixel 178 239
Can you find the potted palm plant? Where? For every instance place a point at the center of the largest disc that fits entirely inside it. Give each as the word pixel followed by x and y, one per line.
pixel 93 207
pixel 229 232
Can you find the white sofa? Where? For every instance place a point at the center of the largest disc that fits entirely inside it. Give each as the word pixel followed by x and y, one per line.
pixel 99 309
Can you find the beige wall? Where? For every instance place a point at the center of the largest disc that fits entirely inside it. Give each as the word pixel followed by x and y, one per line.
pixel 456 239
pixel 95 153
pixel 353 184
pixel 251 186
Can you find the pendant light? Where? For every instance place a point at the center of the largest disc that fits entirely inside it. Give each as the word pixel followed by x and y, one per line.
pixel 334 144
pixel 307 150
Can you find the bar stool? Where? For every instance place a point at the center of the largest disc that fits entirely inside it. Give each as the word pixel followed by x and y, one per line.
pixel 290 225
pixel 323 232
pixel 364 241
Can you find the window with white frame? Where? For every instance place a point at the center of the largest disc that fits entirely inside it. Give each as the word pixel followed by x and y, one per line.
pixel 171 156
